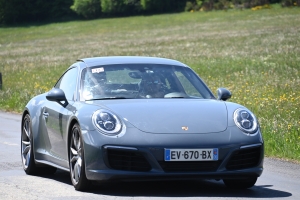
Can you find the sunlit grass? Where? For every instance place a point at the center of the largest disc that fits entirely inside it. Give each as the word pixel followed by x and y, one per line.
pixel 255 54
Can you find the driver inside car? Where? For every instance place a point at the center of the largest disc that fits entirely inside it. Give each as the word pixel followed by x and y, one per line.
pixel 151 86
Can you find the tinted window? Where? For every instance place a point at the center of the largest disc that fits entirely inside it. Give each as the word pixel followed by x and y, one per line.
pixel 68 83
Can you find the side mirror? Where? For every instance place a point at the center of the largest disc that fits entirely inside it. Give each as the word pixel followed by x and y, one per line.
pixel 223 94
pixel 58 96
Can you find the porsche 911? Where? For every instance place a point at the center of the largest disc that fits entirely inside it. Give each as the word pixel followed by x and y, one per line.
pixel 127 118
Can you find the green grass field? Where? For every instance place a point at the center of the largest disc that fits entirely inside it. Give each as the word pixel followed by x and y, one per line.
pixel 255 54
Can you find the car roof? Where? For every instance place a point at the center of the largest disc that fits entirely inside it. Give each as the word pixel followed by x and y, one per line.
pixel 96 61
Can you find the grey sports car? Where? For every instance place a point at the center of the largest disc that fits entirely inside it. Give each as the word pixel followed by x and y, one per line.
pixel 139 118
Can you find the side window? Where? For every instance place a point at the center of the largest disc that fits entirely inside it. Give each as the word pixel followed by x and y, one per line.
pixel 68 83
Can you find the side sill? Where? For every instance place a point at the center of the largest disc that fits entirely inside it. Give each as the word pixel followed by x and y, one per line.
pixel 52 164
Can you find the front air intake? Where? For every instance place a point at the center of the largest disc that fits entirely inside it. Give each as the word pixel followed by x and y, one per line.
pixel 127 160
pixel 244 158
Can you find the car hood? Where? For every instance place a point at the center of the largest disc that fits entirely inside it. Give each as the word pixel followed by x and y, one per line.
pixel 171 115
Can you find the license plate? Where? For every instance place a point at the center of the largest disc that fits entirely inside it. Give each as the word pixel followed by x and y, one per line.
pixel 191 154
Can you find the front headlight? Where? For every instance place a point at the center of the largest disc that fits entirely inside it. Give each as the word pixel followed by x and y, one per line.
pixel 245 120
pixel 107 122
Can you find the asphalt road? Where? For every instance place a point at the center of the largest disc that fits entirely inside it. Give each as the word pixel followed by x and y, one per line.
pixel 280 179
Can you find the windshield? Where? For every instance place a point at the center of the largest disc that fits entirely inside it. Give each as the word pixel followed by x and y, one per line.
pixel 132 81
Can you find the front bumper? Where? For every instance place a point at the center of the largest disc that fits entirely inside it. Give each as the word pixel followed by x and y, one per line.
pixel 140 156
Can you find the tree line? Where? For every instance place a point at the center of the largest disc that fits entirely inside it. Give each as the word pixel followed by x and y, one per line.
pixel 24 11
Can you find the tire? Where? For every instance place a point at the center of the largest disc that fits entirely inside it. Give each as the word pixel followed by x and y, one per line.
pixel 27 156
pixel 240 183
pixel 76 160
pixel 27 150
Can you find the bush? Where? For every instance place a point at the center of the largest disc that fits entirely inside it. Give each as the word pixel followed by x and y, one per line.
pixel 153 5
pixel 193 6
pixel 121 7
pixel 59 9
pixel 159 6
pixel 208 5
pixel 189 6
pixel 290 3
pixel 87 8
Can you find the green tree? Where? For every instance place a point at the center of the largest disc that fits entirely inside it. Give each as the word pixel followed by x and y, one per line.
pixel 159 6
pixel 87 8
pixel 121 7
pixel 11 11
pixel 18 11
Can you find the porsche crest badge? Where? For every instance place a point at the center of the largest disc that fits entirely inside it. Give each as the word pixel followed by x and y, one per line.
pixel 185 128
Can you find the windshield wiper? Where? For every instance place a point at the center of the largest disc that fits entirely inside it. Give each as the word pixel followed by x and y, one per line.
pixel 175 97
pixel 107 98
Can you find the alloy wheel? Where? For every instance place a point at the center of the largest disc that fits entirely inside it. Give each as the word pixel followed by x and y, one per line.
pixel 26 143
pixel 75 156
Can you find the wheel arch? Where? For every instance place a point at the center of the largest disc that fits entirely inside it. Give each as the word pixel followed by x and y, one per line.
pixel 25 112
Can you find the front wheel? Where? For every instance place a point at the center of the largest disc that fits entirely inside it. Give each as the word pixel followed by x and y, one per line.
pixel 76 160
pixel 240 183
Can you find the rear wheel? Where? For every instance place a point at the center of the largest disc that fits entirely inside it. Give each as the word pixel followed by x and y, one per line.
pixel 27 147
pixel 76 160
pixel 240 183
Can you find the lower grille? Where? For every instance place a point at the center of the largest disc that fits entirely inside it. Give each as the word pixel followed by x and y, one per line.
pixel 127 160
pixel 192 166
pixel 244 158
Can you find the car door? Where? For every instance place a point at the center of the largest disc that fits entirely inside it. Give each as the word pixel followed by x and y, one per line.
pixel 57 116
